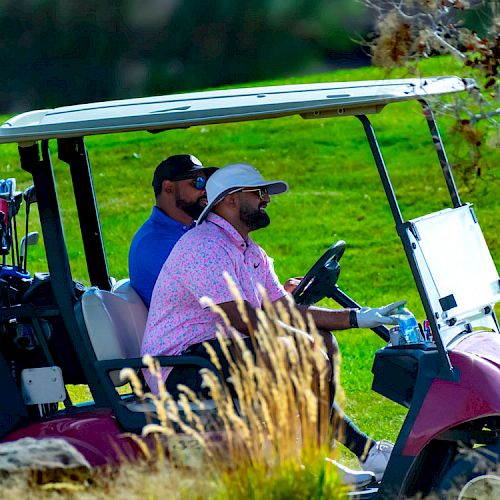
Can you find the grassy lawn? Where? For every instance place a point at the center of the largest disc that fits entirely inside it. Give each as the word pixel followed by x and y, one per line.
pixel 335 193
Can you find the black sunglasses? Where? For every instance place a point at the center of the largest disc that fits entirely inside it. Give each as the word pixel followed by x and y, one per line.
pixel 199 183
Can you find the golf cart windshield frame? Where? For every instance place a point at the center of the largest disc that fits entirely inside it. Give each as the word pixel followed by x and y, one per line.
pixel 33 130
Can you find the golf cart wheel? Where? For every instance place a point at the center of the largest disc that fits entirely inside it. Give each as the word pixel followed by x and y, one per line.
pixel 473 474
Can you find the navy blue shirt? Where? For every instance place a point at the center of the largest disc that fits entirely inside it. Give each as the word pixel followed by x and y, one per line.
pixel 150 248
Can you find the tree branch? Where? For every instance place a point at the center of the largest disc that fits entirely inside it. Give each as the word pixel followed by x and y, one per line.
pixel 486 116
pixel 452 50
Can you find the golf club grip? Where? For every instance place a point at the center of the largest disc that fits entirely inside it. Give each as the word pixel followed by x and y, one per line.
pixel 345 301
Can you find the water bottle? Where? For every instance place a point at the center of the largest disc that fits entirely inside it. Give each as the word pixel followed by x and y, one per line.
pixel 395 336
pixel 408 326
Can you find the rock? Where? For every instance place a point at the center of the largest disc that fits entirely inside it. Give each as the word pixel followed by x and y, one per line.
pixel 40 454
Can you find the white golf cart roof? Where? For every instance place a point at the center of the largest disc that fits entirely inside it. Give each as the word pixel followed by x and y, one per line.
pixel 218 106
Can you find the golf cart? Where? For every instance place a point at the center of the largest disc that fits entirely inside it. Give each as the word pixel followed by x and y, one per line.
pixel 56 331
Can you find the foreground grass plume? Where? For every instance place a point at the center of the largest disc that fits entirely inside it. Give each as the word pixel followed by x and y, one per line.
pixel 272 414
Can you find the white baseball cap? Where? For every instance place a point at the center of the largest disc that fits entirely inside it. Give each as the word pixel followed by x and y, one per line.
pixel 233 177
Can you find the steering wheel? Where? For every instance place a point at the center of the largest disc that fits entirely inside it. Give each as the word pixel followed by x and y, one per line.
pixel 322 277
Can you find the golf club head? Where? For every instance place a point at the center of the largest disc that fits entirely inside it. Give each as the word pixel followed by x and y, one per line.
pixel 10 185
pixel 5 238
pixel 8 193
pixel 30 195
pixel 17 198
pixel 4 190
pixel 31 239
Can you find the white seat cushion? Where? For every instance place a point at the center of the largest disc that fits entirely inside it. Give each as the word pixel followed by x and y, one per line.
pixel 115 322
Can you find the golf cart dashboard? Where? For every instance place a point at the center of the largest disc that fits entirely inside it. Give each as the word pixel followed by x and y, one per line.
pixel 396 369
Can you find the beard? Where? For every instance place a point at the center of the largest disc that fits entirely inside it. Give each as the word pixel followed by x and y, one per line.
pixel 254 218
pixel 193 209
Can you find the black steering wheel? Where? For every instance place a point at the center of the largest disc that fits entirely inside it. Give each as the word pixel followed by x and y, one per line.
pixel 320 280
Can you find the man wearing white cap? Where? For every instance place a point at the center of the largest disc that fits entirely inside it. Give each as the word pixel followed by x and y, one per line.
pixel 177 324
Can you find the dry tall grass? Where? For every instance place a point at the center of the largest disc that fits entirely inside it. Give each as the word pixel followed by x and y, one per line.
pixel 268 437
pixel 273 413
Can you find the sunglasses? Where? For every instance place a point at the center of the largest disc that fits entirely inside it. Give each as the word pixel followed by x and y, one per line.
pixel 199 183
pixel 263 192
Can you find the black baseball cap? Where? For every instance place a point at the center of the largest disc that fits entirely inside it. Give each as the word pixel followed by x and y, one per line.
pixel 178 168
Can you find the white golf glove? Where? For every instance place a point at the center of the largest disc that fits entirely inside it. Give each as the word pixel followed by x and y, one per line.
pixel 368 317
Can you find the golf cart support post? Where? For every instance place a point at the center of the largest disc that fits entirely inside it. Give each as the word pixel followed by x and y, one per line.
pixel 401 226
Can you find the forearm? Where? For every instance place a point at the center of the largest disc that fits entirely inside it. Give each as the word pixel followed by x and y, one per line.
pixel 328 319
pixel 324 318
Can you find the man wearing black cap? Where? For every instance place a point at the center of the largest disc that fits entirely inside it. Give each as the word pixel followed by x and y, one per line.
pixel 179 186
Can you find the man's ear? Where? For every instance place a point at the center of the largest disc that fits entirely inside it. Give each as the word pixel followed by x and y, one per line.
pixel 167 186
pixel 226 205
pixel 231 200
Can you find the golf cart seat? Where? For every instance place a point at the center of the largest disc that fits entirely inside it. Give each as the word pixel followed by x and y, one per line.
pixel 115 322
pixel 125 289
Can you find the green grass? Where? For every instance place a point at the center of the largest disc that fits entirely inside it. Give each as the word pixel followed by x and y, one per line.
pixel 335 193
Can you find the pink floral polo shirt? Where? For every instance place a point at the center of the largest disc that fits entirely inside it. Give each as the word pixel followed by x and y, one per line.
pixel 193 270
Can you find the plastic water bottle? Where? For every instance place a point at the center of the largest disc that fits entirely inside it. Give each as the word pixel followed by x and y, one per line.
pixel 395 336
pixel 408 326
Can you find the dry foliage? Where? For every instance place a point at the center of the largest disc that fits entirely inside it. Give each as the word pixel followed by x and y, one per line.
pixel 410 30
pixel 273 412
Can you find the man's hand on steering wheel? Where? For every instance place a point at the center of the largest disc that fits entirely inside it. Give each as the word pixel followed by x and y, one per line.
pixel 320 281
pixel 292 283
